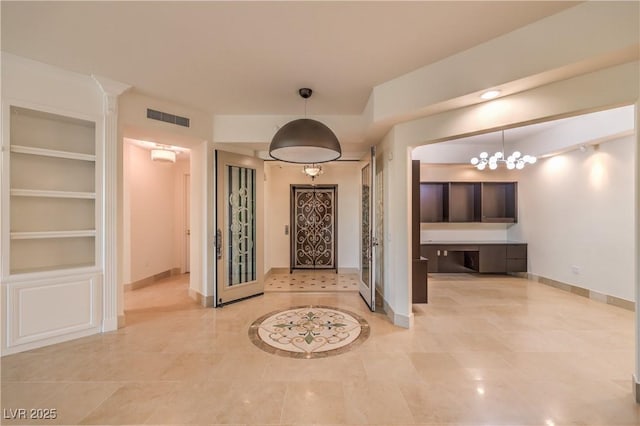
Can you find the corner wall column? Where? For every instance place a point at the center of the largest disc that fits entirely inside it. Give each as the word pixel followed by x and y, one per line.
pixel 636 376
pixel 111 90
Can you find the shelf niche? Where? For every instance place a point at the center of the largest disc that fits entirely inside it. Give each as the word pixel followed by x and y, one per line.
pixel 52 197
pixel 434 202
pixel 499 202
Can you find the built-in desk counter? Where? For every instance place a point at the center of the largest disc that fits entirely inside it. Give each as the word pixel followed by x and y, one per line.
pixel 495 257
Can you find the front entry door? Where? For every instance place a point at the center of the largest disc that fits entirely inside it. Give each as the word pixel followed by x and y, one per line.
pixel 239 224
pixel 368 239
pixel 314 224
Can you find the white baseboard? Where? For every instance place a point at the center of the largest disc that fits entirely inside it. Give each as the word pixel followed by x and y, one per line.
pixel 135 285
pixel 110 324
pixel 205 301
pixel 404 321
pixel 580 291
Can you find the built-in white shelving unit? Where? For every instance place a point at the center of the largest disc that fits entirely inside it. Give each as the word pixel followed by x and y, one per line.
pixel 52 197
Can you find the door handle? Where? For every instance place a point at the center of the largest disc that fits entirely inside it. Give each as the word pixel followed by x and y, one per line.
pixel 445 253
pixel 374 242
pixel 438 252
pixel 218 244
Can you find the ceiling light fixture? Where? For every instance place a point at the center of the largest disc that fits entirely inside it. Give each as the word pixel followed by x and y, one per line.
pixel 305 141
pixel 312 170
pixel 514 161
pixel 163 154
pixel 490 94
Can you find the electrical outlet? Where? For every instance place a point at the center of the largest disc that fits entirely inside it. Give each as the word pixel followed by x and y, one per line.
pixel 575 269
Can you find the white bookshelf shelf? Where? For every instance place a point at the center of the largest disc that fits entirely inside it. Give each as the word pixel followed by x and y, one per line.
pixel 52 194
pixel 38 235
pixel 21 149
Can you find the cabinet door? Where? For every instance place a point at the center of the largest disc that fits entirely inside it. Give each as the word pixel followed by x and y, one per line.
pixel 516 251
pixel 493 258
pixel 516 265
pixel 431 253
pixel 419 281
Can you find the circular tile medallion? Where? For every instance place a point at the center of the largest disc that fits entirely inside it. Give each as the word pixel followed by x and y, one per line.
pixel 309 331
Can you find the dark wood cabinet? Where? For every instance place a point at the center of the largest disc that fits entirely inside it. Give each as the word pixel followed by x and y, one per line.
pixel 430 253
pixel 493 258
pixel 419 285
pixel 517 258
pixel 491 202
pixel 487 258
pixel 419 263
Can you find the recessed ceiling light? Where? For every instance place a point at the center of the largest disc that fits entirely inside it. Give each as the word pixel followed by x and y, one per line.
pixel 490 94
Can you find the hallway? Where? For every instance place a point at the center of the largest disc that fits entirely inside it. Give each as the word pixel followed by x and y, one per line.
pixel 485 350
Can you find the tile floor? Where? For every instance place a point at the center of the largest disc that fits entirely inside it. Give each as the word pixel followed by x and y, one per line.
pixel 310 281
pixel 484 351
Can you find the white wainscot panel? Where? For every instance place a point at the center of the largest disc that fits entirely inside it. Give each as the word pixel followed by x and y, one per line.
pixel 47 311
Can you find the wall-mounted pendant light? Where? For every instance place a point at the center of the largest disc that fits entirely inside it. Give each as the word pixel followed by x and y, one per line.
pixel 305 141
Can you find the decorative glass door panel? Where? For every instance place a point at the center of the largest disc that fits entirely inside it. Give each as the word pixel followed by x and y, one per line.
pixel 314 221
pixel 241 217
pixel 365 232
pixel 239 236
pixel 368 240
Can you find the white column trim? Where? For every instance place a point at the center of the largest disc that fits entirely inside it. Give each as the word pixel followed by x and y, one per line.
pixel 111 90
pixel 636 376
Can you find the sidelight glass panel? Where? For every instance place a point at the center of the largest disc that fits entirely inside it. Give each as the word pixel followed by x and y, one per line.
pixel 241 222
pixel 366 225
pixel 379 208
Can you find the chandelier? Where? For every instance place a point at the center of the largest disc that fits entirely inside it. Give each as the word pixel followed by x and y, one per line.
pixel 513 161
pixel 312 170
pixel 304 140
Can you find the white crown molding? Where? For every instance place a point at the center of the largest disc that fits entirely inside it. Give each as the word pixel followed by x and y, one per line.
pixel 109 86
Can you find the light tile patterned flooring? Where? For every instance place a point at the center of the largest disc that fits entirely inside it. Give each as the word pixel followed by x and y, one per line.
pixel 311 281
pixel 484 351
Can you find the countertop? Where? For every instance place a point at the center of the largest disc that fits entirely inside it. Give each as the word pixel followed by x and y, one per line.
pixel 471 242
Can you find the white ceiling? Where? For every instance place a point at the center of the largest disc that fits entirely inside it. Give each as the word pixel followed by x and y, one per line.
pixel 251 57
pixel 541 139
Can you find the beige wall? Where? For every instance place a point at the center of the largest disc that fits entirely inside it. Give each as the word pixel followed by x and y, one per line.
pixel 576 210
pixel 155 212
pixel 279 178
pixel 180 181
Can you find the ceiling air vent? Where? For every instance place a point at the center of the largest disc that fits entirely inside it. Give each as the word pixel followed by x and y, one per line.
pixel 167 118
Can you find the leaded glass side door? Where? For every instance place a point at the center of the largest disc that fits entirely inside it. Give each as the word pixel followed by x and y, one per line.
pixel 239 227
pixel 368 239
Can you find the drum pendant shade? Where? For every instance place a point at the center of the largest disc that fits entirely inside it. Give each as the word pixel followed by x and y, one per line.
pixel 305 141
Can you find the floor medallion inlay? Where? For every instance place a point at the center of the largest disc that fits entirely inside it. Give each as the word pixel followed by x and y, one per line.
pixel 309 331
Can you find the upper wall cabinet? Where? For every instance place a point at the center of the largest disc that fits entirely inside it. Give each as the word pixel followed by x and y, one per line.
pixel 52 192
pixel 462 202
pixel 499 202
